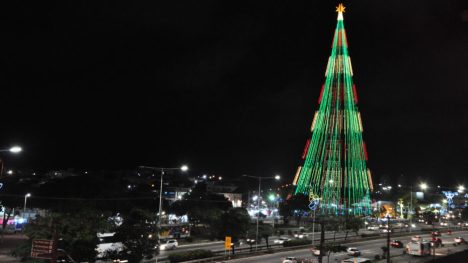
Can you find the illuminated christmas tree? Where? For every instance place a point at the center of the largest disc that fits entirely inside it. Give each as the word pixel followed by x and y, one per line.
pixel 334 173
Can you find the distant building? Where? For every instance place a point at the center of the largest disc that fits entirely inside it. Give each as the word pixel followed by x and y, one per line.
pixel 227 190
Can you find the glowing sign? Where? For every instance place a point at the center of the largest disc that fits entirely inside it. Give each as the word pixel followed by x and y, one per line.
pixel 450 195
pixel 314 201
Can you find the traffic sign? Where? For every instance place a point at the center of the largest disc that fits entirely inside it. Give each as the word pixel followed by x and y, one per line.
pixel 42 248
pixel 227 242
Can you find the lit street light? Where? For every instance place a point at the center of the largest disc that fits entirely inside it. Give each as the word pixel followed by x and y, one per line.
pixel 14 149
pixel 276 177
pixel 423 186
pixel 183 168
pixel 461 188
pixel 25 199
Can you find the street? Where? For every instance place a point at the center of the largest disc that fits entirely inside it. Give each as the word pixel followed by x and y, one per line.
pixel 368 248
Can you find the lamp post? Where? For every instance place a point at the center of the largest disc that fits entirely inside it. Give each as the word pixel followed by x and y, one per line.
pixel 276 177
pixel 163 170
pixel 25 199
pixel 15 150
pixel 388 238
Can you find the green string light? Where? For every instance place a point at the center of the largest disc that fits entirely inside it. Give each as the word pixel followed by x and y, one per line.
pixel 335 163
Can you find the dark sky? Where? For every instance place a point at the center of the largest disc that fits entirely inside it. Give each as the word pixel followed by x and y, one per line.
pixel 229 87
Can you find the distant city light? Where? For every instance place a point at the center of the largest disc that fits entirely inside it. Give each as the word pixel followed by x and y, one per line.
pixel 271 197
pixel 277 177
pixel 255 197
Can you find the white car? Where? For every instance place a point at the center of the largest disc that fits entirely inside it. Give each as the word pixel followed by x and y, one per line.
pixel 356 260
pixel 373 227
pixel 281 240
pixel 459 240
pixel 169 244
pixel 315 251
pixel 352 251
pixel 301 235
pixel 290 260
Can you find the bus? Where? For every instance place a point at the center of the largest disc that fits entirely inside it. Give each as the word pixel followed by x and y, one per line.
pixel 419 248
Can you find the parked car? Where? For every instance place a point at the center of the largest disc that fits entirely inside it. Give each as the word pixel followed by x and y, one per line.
pixel 396 244
pixel 352 251
pixel 169 244
pixel 443 223
pixel 436 233
pixel 281 240
pixel 459 240
pixel 372 227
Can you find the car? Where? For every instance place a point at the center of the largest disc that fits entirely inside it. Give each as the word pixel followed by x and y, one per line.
pixel 385 230
pixel 436 242
pixel 436 233
pixel 281 240
pixel 396 244
pixel 416 238
pixel 290 260
pixel 169 244
pixel 356 260
pixel 443 223
pixel 373 227
pixel 315 251
pixel 352 251
pixel 459 240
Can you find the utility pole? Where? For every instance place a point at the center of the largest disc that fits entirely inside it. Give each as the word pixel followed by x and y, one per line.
pixel 322 240
pixel 388 239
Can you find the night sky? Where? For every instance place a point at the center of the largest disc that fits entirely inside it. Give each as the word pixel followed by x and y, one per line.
pixel 230 87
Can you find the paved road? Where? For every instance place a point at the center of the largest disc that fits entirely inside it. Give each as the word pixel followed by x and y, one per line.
pixel 368 248
pixel 219 245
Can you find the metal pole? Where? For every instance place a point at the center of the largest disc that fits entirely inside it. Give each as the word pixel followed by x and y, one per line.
pixel 24 208
pixel 388 239
pixel 411 209
pixel 160 203
pixel 258 212
pixel 313 230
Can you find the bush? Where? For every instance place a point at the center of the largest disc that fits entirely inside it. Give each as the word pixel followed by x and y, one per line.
pixel 281 232
pixel 189 255
pixel 296 242
pixel 302 230
pixel 290 232
pixel 377 257
pixel 189 239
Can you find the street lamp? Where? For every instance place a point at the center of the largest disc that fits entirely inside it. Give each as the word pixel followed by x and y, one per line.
pixel 276 177
pixel 423 186
pixel 162 170
pixel 14 149
pixel 25 199
pixel 461 188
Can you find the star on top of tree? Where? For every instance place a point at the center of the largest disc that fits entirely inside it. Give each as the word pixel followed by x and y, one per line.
pixel 340 8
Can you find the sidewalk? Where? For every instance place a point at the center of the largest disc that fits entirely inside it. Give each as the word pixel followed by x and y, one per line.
pixel 10 241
